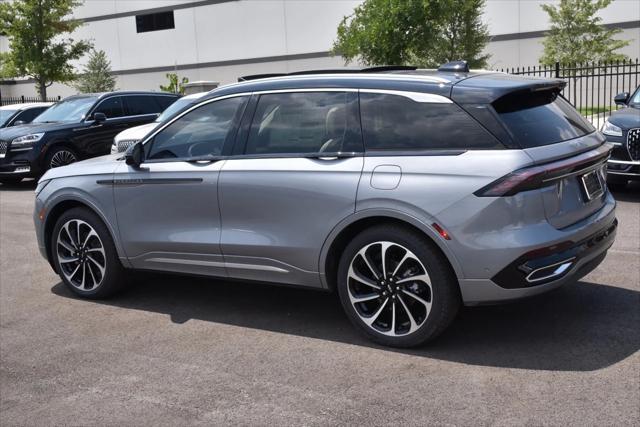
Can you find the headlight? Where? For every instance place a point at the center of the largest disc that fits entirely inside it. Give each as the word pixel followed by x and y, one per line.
pixel 610 129
pixel 41 185
pixel 26 141
pixel 114 147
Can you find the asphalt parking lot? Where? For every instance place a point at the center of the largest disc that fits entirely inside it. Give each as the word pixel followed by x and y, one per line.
pixel 185 351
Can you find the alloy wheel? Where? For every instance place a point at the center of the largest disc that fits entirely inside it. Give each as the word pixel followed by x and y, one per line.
pixel 389 288
pixel 81 255
pixel 62 158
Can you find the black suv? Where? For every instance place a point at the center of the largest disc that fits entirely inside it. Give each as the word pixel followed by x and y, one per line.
pixel 75 128
pixel 622 129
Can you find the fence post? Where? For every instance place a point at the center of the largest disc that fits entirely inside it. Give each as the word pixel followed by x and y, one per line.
pixel 557 70
pixel 22 98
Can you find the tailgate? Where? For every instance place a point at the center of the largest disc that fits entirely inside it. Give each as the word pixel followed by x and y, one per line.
pixel 578 189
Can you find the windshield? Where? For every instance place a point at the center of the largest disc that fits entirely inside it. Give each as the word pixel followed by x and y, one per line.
pixel 635 99
pixel 6 115
pixel 68 110
pixel 174 108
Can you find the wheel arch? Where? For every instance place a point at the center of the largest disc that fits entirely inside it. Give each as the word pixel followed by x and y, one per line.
pixel 62 205
pixel 354 224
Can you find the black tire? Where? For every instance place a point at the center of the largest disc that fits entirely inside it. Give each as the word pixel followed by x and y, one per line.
pixel 60 155
pixel 444 294
pixel 113 278
pixel 10 181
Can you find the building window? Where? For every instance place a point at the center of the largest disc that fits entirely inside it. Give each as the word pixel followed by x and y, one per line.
pixel 155 22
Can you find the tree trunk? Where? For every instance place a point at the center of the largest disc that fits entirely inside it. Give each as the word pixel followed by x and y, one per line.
pixel 42 90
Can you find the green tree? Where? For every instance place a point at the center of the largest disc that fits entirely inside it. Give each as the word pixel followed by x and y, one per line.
pixel 96 76
pixel 174 86
pixel 425 33
pixel 38 48
pixel 577 35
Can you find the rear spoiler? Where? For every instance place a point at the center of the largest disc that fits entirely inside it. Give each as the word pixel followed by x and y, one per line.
pixel 486 88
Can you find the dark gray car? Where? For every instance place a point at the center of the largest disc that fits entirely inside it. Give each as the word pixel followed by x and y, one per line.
pixel 409 192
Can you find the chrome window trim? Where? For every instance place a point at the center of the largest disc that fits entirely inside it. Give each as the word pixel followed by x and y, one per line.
pixel 422 97
pixel 416 96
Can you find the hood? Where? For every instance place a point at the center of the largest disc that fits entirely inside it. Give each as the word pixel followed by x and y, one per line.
pixel 95 166
pixel 626 118
pixel 135 133
pixel 13 132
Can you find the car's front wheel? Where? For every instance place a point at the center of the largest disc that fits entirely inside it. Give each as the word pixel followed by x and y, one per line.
pixel 396 287
pixel 85 255
pixel 60 156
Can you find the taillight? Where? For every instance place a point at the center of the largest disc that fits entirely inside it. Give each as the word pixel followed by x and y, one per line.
pixel 539 176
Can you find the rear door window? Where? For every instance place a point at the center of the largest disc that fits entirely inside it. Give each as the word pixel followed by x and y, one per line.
pixel 165 101
pixel 540 118
pixel 138 105
pixel 304 123
pixel 397 123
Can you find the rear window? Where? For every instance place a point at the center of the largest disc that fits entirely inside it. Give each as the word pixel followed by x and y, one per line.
pixel 540 118
pixel 142 104
pixel 397 123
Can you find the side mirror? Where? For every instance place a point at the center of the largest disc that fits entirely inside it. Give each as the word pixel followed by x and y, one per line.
pixel 99 117
pixel 621 98
pixel 134 155
pixel 19 122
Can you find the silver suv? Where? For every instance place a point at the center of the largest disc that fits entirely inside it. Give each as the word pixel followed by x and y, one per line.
pixel 410 192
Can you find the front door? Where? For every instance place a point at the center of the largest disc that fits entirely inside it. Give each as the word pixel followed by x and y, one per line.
pixel 294 179
pixel 167 208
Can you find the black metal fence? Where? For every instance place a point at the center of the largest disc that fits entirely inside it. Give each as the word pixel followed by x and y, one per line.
pixel 591 86
pixel 24 99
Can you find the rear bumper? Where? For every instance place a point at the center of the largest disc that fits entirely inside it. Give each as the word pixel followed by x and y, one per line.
pixel 585 253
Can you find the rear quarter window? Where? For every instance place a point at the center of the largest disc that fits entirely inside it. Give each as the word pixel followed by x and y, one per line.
pixel 398 123
pixel 536 119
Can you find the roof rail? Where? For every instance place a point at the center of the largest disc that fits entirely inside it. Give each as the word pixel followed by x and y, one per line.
pixel 376 69
pixel 455 67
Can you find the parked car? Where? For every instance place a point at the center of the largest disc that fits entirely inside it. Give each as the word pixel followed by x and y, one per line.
pixel 19 114
pixel 75 128
pixel 408 191
pixel 128 137
pixel 622 129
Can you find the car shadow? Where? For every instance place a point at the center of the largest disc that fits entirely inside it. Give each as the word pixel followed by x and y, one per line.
pixel 630 193
pixel 24 185
pixel 579 327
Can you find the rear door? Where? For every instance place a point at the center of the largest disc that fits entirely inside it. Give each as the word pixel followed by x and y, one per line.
pixel 294 177
pixel 168 212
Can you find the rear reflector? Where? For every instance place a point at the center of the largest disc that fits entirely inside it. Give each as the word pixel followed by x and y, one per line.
pixel 539 176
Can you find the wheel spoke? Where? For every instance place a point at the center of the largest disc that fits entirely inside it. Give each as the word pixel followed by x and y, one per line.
pixel 93 277
pixel 357 277
pixel 84 274
pixel 89 235
pixel 419 278
pixel 412 321
pixel 66 229
pixel 66 245
pixel 369 297
pixel 365 258
pixel 369 320
pixel 383 249
pixel 97 264
pixel 417 298
pixel 67 260
pixel 404 258
pixel 393 318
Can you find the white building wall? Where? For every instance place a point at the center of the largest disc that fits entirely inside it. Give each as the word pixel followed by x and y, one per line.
pixel 220 41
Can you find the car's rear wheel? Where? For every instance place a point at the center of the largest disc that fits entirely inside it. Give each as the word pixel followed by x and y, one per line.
pixel 85 256
pixel 60 156
pixel 396 287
